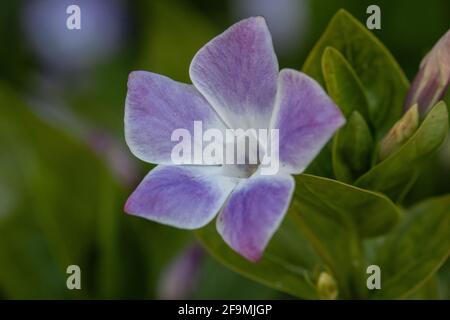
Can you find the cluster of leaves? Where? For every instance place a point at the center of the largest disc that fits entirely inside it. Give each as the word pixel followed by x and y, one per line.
pixel 346 212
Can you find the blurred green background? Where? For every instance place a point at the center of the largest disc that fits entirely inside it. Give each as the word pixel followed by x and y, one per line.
pixel 65 170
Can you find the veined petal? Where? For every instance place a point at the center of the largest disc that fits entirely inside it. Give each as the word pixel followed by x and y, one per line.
pixel 254 212
pixel 186 197
pixel 237 73
pixel 305 117
pixel 156 106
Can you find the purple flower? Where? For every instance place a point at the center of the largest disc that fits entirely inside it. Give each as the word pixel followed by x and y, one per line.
pixel 181 277
pixel 433 78
pixel 236 84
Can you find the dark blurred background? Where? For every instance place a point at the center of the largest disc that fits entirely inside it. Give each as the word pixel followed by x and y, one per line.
pixel 65 170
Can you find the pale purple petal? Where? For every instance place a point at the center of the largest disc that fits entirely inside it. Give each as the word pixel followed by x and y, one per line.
pixel 254 212
pixel 181 277
pixel 155 107
pixel 237 73
pixel 305 117
pixel 186 197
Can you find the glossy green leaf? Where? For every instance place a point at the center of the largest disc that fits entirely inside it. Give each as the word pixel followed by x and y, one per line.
pixel 416 249
pixel 372 213
pixel 383 81
pixel 393 175
pixel 334 216
pixel 352 149
pixel 288 264
pixel 342 84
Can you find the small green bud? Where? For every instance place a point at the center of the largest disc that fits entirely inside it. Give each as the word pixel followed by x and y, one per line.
pixel 402 130
pixel 327 287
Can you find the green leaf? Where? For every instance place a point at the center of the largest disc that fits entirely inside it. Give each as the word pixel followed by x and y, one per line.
pixel 383 81
pixel 288 263
pixel 352 149
pixel 373 214
pixel 343 84
pixel 416 250
pixel 393 175
pixel 334 216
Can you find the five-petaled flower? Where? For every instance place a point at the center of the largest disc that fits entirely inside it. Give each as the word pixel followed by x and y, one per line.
pixel 236 84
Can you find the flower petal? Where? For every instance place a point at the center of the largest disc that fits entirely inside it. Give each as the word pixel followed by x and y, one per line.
pixel 155 107
pixel 254 212
pixel 186 197
pixel 181 277
pixel 305 117
pixel 237 73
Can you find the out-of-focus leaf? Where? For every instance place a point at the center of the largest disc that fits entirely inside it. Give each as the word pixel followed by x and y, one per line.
pixel 59 190
pixel 443 279
pixel 334 215
pixel 218 282
pixel 415 250
pixel 172 37
pixel 393 175
pixel 383 81
pixel 428 291
pixel 27 269
pixel 288 263
pixel 343 84
pixel 352 149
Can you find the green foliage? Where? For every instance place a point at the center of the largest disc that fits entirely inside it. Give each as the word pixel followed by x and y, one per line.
pixel 383 81
pixel 289 263
pixel 352 149
pixel 344 226
pixel 51 198
pixel 60 205
pixel 342 83
pixel 321 207
pixel 393 175
pixel 416 249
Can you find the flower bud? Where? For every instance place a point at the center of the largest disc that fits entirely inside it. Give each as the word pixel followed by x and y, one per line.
pixel 327 287
pixel 402 130
pixel 433 78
